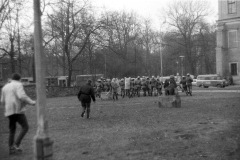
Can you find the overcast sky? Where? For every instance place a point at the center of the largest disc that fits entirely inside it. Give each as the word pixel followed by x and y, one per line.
pixel 146 8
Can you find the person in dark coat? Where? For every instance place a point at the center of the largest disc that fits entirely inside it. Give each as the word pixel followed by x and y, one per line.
pixel 85 94
pixel 170 85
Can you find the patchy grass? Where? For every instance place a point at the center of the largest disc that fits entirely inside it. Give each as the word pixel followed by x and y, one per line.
pixel 206 127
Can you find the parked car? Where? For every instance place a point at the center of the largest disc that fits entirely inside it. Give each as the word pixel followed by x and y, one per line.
pixel 210 80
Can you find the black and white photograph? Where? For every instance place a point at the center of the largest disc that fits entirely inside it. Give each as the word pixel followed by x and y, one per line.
pixel 120 79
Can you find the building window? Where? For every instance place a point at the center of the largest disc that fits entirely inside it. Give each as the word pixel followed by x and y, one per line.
pixel 233 69
pixel 232 39
pixel 232 7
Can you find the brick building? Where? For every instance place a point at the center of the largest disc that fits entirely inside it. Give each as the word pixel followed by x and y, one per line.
pixel 228 39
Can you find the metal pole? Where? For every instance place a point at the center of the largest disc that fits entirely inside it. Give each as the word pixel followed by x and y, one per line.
pixel 42 143
pixel 182 67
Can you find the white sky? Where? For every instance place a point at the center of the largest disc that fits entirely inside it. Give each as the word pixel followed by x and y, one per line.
pixel 146 8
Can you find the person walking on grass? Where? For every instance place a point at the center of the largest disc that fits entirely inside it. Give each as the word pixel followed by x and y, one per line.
pixel 14 99
pixel 85 94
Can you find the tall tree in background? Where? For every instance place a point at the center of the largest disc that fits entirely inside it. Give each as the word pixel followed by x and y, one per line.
pixel 11 27
pixel 4 11
pixel 206 41
pixel 121 30
pixel 71 24
pixel 147 41
pixel 184 17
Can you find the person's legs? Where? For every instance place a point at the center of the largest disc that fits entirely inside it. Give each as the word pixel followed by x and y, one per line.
pixel 12 130
pixel 88 109
pixel 122 93
pixel 22 120
pixel 144 92
pixel 171 91
pixel 166 91
pixel 83 109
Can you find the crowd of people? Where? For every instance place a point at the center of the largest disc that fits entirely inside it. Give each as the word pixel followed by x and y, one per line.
pixel 131 87
pixel 14 98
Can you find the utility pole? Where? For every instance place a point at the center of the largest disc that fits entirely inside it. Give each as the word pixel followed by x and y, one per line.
pixel 42 143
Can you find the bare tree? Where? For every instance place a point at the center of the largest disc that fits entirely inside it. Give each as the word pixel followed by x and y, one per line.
pixel 121 30
pixel 184 17
pixel 206 41
pixel 71 24
pixel 5 9
pixel 147 41
pixel 11 27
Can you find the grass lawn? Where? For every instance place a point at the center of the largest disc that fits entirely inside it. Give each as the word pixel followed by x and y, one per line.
pixel 207 127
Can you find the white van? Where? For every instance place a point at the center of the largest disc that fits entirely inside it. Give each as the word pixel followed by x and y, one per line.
pixel 210 80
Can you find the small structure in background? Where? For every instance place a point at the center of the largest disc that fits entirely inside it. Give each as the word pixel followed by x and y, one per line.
pixel 81 79
pixel 27 80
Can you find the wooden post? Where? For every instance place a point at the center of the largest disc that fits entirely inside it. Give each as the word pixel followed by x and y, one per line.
pixel 41 141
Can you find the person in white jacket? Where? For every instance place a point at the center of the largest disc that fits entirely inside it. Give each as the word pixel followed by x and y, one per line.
pixel 14 99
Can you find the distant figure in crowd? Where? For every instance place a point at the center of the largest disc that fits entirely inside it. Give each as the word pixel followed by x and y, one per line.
pixel 189 82
pixel 159 87
pixel 114 89
pixel 127 86
pixel 183 84
pixel 122 86
pixel 99 88
pixel 14 99
pixel 144 87
pixel 85 94
pixel 137 86
pixel 170 86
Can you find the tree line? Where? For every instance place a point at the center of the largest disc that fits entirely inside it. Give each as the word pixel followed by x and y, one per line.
pixel 79 40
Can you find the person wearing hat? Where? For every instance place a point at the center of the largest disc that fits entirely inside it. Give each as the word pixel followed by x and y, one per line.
pixel 153 84
pixel 122 85
pixel 85 94
pixel 127 86
pixel 144 86
pixel 99 88
pixel 114 89
pixel 183 84
pixel 189 83
pixel 159 87
pixel 170 89
pixel 137 86
pixel 132 88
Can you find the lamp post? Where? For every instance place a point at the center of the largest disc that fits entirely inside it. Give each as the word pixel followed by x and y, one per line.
pixel 177 66
pixel 182 63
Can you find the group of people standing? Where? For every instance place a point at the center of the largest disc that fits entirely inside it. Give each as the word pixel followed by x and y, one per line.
pixel 14 98
pixel 131 87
